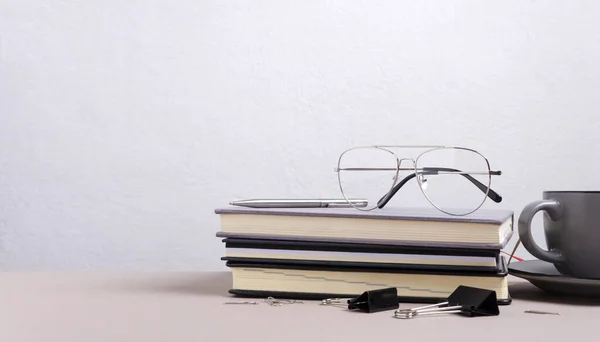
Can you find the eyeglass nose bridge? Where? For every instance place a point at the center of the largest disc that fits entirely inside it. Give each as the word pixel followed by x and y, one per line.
pixel 413 163
pixel 411 167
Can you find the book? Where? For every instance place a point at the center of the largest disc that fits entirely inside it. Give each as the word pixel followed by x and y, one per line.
pixel 310 282
pixel 290 251
pixel 484 229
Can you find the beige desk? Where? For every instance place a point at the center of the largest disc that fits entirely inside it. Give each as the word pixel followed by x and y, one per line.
pixel 188 307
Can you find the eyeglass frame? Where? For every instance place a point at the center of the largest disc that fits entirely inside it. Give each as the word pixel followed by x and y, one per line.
pixel 493 195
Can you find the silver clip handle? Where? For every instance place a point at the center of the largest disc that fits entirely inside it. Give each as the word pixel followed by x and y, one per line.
pixel 427 310
pixel 411 313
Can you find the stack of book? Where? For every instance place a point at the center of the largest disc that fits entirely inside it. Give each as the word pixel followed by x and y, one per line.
pixel 320 253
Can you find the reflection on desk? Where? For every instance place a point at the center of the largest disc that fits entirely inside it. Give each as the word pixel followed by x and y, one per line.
pixel 189 307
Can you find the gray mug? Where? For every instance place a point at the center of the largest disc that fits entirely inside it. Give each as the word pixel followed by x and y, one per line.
pixel 572 230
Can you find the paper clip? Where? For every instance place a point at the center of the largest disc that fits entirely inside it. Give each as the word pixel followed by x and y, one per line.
pixel 248 303
pixel 279 302
pixel 468 301
pixel 332 301
pixel 542 312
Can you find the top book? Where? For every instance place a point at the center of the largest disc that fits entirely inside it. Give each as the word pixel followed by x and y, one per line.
pixel 485 228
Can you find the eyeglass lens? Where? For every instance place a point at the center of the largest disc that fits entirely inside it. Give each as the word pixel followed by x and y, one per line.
pixel 454 180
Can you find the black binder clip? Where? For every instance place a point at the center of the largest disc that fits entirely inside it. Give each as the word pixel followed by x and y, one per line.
pixel 375 300
pixel 465 300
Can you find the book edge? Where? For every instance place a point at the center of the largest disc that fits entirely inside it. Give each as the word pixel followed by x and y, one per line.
pixel 502 214
pixel 242 293
pixel 502 271
pixel 463 245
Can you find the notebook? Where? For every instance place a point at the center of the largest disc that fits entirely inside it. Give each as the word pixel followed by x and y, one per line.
pixel 316 282
pixel 290 251
pixel 489 229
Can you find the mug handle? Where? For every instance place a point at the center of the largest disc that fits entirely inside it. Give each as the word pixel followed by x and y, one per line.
pixel 555 211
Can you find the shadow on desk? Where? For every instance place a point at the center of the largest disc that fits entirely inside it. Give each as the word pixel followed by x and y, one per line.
pixel 524 291
pixel 194 284
pixel 219 283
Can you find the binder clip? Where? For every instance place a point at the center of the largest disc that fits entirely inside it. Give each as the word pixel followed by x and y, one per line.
pixel 465 300
pixel 375 300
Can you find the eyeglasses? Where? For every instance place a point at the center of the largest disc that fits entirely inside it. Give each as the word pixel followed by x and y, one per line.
pixel 455 180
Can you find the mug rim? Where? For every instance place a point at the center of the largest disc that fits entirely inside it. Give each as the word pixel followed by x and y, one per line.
pixel 572 191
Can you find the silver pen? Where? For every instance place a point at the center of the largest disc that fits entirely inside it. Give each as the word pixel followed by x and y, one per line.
pixel 300 203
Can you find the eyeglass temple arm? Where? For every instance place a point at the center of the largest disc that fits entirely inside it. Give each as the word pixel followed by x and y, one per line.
pixel 494 196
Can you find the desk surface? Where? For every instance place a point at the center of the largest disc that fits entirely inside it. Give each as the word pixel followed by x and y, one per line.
pixel 189 307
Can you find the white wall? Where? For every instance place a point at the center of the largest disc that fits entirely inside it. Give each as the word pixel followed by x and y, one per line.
pixel 123 124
